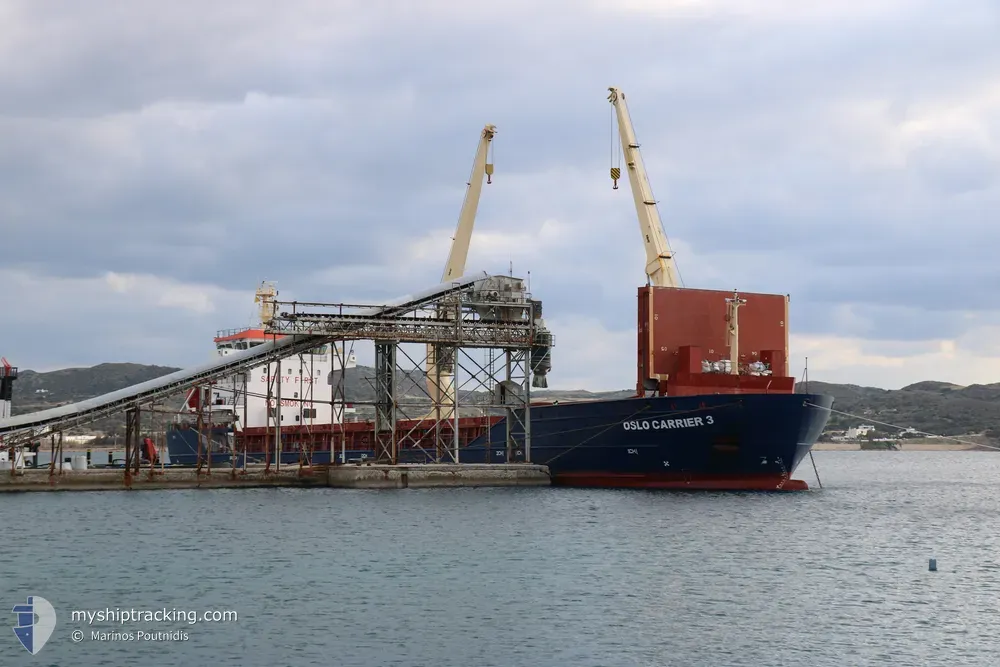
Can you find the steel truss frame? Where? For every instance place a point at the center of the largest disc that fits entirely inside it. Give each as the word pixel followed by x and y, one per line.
pixel 493 315
pixel 496 319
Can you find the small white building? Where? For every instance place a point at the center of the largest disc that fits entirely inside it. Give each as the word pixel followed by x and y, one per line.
pixel 856 432
pixel 78 439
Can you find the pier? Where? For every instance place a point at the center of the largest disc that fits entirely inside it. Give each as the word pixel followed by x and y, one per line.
pixel 369 476
pixel 409 443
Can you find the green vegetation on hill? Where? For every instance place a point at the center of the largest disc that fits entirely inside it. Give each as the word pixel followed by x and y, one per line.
pixel 934 407
pixel 76 384
pixel 38 391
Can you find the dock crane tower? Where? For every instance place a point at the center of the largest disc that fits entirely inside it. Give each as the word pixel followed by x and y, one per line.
pixel 441 372
pixel 660 268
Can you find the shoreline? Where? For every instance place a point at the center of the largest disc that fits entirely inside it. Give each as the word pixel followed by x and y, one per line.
pixel 856 447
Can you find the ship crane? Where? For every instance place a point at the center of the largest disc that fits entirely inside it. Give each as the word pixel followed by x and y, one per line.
pixel 660 268
pixel 441 373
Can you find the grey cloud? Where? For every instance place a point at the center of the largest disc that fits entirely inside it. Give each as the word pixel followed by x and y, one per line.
pixel 251 144
pixel 68 58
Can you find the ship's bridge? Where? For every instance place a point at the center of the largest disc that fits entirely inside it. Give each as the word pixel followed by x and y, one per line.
pixel 229 341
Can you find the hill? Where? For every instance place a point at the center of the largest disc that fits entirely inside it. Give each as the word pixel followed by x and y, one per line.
pixel 934 407
pixel 76 384
pixel 35 391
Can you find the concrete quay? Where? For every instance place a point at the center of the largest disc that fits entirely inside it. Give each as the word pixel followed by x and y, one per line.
pixel 425 476
pixel 373 476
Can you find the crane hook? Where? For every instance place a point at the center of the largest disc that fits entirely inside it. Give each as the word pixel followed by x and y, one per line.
pixel 489 173
pixel 616 173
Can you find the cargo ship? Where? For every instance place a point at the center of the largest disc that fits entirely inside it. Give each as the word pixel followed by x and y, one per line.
pixel 715 407
pixel 703 428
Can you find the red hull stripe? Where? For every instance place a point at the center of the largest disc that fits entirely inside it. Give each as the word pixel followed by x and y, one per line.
pixel 693 482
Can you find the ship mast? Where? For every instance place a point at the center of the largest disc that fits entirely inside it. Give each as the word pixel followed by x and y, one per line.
pixel 660 268
pixel 733 331
pixel 265 297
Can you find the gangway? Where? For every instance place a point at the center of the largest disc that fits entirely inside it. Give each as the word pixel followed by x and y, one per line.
pixel 45 422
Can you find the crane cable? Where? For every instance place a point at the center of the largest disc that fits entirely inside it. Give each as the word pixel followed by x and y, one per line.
pixel 616 173
pixel 902 428
pixel 616 139
pixel 490 159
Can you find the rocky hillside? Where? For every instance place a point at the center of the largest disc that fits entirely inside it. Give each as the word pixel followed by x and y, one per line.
pixel 934 407
pixel 34 391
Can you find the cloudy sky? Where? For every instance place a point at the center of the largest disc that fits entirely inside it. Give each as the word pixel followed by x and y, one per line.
pixel 158 160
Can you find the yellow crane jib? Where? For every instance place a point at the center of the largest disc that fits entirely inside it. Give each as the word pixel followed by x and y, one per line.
pixel 660 268
pixel 440 363
pixel 455 265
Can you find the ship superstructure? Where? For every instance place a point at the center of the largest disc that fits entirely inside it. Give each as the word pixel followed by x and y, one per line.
pixel 296 392
pixel 300 387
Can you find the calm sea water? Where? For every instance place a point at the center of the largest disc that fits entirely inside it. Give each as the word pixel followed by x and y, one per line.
pixel 540 577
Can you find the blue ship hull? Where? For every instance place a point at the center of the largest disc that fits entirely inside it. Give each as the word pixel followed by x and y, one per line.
pixel 717 441
pixel 712 441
